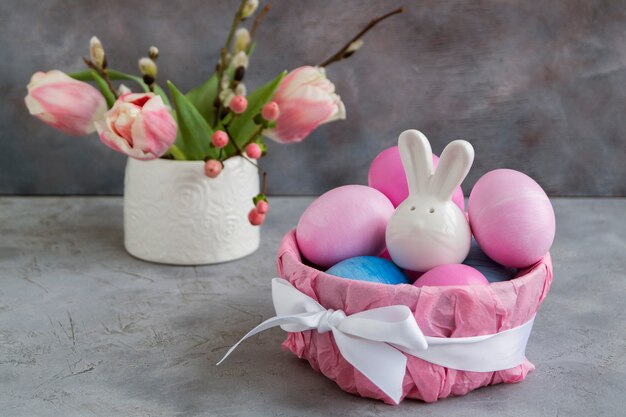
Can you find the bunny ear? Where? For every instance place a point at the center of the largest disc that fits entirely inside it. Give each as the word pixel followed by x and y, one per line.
pixel 417 159
pixel 454 164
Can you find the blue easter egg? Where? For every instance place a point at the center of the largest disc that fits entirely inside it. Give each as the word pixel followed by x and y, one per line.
pixel 493 271
pixel 369 268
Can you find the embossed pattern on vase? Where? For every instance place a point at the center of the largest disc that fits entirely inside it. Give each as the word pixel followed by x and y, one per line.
pixel 174 214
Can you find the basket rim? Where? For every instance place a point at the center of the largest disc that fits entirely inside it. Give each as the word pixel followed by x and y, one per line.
pixel 289 247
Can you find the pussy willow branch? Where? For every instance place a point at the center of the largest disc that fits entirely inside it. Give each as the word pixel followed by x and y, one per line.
pixel 259 19
pixel 103 72
pixel 223 53
pixel 339 55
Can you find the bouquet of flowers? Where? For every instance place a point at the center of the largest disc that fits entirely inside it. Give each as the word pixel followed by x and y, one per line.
pixel 216 120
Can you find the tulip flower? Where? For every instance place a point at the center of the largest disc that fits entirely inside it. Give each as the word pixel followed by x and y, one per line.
pixel 306 99
pixel 138 125
pixel 64 103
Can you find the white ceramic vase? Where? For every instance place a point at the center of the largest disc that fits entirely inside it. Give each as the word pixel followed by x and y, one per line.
pixel 174 214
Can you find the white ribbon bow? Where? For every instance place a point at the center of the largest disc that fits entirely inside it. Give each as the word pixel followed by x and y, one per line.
pixel 372 340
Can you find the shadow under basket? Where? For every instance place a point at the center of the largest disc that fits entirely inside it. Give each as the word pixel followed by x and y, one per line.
pixel 455 311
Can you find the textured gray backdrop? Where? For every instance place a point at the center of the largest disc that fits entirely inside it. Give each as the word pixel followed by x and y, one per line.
pixel 535 86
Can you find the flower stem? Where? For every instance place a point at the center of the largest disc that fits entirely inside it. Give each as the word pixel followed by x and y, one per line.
pixel 103 73
pixel 341 54
pixel 177 153
pixel 233 26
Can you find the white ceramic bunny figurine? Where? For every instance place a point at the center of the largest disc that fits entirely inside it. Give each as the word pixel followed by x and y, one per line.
pixel 428 229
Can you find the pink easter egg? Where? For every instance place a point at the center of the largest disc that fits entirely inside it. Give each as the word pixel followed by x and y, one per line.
pixel 343 223
pixel 511 218
pixel 451 274
pixel 386 174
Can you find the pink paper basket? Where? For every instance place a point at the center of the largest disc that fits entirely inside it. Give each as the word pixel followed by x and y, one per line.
pixel 459 311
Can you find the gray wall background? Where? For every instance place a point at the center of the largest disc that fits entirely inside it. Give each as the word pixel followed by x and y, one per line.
pixel 538 86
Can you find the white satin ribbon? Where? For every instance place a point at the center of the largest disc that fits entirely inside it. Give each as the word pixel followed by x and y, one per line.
pixel 372 340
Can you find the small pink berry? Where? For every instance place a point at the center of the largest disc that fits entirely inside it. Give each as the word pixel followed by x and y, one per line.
pixel 219 139
pixel 253 150
pixel 213 168
pixel 238 104
pixel 270 111
pixel 255 218
pixel 262 206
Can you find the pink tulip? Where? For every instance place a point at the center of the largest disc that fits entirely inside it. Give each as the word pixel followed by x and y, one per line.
pixel 138 125
pixel 306 99
pixel 64 103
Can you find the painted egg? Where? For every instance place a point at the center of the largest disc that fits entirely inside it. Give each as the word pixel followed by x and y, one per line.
pixel 386 174
pixel 493 271
pixel 511 217
pixel 451 274
pixel 369 268
pixel 343 223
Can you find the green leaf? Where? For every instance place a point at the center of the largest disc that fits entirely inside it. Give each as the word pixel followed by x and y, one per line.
pixel 203 96
pixel 258 198
pixel 104 88
pixel 195 133
pixel 158 90
pixel 118 75
pixel 92 75
pixel 82 75
pixel 243 127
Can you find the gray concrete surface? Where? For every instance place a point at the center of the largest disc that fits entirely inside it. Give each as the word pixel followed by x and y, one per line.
pixel 87 330
pixel 536 86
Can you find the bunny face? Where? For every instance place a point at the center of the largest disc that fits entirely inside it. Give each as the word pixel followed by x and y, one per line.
pixel 428 229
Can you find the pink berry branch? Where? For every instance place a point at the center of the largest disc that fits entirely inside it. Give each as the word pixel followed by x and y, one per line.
pixel 230 103
pixel 253 148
